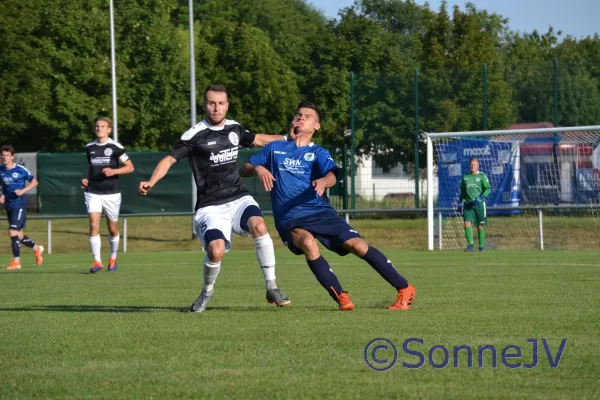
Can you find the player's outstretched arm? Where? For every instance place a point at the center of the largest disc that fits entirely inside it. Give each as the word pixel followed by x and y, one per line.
pixel 261 140
pixel 160 171
pixel 247 170
pixel 264 175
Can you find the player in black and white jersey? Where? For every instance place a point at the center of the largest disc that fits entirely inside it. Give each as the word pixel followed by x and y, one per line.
pixel 102 191
pixel 223 203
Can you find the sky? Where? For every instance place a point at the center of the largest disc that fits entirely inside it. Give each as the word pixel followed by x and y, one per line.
pixel 578 18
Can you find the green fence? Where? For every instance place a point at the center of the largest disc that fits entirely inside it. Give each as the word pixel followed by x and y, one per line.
pixel 60 193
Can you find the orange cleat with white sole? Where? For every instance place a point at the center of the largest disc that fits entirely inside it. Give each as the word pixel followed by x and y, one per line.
pixel 38 255
pixel 404 298
pixel 14 265
pixel 96 266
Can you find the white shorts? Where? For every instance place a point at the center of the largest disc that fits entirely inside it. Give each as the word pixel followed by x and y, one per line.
pixel 225 218
pixel 109 203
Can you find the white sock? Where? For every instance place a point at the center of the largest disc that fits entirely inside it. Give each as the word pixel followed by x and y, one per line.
pixel 114 245
pixel 211 271
pixel 265 254
pixel 95 245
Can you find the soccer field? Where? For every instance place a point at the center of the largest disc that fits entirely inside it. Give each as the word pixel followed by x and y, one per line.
pixel 70 334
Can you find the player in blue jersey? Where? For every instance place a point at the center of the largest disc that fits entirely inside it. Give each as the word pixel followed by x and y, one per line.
pixel 297 173
pixel 14 187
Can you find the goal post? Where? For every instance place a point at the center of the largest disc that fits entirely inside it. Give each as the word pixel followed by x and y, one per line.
pixel 532 173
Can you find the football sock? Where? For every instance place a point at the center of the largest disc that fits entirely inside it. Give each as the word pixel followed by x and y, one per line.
pixel 211 271
pixel 385 268
pixel 28 242
pixel 265 255
pixel 16 247
pixel 95 245
pixel 322 271
pixel 114 245
pixel 481 238
pixel 469 234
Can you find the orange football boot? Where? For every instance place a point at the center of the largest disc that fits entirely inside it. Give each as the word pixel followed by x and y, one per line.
pixel 14 265
pixel 404 298
pixel 38 255
pixel 343 300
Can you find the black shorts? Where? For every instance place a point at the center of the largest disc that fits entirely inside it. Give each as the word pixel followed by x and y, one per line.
pixel 16 218
pixel 328 228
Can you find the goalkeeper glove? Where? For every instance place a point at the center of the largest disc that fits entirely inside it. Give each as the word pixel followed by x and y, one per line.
pixel 478 201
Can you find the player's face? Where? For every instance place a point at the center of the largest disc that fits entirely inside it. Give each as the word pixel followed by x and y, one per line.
pixel 7 158
pixel 474 166
pixel 102 129
pixel 216 107
pixel 305 122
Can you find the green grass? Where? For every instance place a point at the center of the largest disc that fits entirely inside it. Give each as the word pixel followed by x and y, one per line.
pixel 68 334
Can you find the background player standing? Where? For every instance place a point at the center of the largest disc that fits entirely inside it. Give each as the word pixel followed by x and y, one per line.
pixel 223 203
pixel 102 190
pixel 297 174
pixel 474 189
pixel 13 178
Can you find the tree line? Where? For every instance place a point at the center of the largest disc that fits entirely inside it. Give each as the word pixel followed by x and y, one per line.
pixel 56 70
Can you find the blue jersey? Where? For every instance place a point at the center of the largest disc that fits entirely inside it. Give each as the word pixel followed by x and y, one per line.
pixel 13 179
pixel 294 169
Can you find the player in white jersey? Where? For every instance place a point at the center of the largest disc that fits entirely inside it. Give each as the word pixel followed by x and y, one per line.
pixel 224 205
pixel 102 190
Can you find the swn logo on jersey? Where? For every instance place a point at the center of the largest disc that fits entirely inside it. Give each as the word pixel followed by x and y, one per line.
pixel 290 162
pixel 224 156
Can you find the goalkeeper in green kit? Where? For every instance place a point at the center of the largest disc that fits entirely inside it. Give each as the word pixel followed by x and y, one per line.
pixel 474 189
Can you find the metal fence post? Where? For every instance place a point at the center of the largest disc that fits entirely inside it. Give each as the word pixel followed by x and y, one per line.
pixel 124 234
pixel 440 231
pixel 417 199
pixel 49 236
pixel 541 227
pixel 352 127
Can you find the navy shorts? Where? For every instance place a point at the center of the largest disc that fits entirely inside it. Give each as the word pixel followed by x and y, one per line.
pixel 16 218
pixel 328 228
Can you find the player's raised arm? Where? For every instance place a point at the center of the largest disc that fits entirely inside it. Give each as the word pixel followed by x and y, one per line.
pixel 160 171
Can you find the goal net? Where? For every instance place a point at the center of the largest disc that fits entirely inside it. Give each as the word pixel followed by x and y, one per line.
pixel 545 187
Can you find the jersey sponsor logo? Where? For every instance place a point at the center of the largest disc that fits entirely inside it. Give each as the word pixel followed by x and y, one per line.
pixel 290 162
pixel 279 152
pixel 108 152
pixel 233 138
pixel 224 156
pixel 309 156
pixel 211 143
pixel 100 160
pixel 481 151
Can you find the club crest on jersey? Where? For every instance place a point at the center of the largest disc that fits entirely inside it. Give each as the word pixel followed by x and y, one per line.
pixel 107 152
pixel 477 179
pixel 309 156
pixel 15 175
pixel 233 138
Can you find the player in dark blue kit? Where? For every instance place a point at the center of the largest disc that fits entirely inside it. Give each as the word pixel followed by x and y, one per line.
pixel 297 173
pixel 13 178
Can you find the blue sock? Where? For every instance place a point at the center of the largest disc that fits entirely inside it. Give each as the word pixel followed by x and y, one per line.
pixel 385 268
pixel 16 246
pixel 320 268
pixel 28 242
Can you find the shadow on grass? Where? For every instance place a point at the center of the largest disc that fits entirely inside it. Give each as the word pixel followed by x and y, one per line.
pixel 145 309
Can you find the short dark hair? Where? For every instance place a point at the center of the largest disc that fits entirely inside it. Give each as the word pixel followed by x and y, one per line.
pixel 312 106
pixel 215 87
pixel 9 148
pixel 106 119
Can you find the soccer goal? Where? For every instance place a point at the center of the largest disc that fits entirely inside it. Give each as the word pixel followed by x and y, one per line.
pixel 545 187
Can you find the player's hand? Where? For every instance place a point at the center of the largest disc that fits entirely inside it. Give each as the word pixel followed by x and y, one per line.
pixel 108 172
pixel 84 183
pixel 19 192
pixel 144 188
pixel 2 199
pixel 265 177
pixel 320 186
pixel 478 201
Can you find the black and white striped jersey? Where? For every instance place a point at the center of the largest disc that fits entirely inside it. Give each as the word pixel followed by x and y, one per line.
pixel 212 153
pixel 100 156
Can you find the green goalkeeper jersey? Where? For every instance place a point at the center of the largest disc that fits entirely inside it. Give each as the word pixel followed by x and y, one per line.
pixel 474 186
